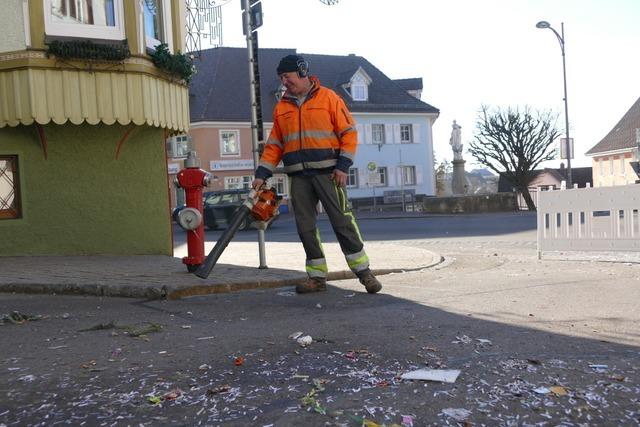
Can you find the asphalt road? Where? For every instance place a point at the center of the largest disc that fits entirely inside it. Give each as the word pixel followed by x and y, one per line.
pixel 537 342
pixel 517 225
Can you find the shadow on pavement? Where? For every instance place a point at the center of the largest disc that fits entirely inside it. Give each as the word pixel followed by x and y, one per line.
pixel 232 360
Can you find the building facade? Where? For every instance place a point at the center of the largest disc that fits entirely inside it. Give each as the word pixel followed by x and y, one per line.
pixel 395 151
pixel 612 157
pixel 546 179
pixel 84 115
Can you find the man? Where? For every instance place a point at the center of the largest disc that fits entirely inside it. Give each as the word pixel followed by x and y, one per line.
pixel 314 135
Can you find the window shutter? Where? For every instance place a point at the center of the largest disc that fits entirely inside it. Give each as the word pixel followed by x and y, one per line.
pixel 360 130
pixel 396 133
pixel 170 147
pixel 362 177
pixel 419 176
pixel 388 134
pixel 368 134
pixel 392 176
pixel 416 133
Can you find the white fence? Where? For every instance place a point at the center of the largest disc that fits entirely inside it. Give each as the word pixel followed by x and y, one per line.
pixel 589 219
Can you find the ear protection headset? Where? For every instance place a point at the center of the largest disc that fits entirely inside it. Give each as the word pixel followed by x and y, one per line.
pixel 303 68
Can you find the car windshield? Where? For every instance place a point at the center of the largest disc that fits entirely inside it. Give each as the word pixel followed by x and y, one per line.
pixel 226 198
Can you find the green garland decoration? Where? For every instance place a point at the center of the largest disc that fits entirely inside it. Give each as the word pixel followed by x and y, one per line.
pixel 178 64
pixel 86 49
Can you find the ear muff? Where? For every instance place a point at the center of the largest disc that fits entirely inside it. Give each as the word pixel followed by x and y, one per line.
pixel 303 68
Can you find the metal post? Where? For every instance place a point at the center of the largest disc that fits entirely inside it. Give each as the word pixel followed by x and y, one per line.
pixel 567 144
pixel 402 181
pixel 566 109
pixel 374 197
pixel 254 109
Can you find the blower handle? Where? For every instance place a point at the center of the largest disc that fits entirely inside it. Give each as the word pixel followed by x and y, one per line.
pixel 238 218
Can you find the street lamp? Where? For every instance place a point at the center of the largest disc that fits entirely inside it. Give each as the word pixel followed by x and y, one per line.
pixel 544 25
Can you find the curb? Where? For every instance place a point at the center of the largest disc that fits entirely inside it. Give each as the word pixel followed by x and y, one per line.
pixel 177 292
pixel 174 292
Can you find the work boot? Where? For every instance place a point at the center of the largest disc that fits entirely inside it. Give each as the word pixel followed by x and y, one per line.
pixel 313 284
pixel 369 281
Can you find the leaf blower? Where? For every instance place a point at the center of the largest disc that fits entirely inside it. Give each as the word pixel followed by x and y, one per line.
pixel 262 205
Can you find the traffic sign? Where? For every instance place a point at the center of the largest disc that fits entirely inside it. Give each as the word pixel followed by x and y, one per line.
pixel 255 9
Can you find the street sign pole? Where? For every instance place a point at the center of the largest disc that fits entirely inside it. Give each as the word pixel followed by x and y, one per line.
pixel 249 23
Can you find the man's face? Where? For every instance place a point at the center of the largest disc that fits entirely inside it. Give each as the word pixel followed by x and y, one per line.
pixel 295 84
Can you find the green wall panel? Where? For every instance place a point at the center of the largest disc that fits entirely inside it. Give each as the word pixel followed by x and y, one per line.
pixel 81 200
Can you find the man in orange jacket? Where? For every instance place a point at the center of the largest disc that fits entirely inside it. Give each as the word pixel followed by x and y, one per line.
pixel 314 136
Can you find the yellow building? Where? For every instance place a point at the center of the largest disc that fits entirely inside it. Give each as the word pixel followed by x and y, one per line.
pixel 87 101
pixel 612 156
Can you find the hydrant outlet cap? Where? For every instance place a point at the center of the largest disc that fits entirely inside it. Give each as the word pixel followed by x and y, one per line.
pixel 192 160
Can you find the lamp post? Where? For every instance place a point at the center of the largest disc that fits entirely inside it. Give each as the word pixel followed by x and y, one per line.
pixel 544 25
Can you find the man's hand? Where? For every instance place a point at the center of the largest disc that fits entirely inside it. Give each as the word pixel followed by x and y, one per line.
pixel 257 183
pixel 339 177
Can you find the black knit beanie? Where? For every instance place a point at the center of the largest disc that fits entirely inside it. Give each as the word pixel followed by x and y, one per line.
pixel 289 64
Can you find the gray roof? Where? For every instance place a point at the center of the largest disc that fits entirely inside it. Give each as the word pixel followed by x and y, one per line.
pixel 410 84
pixel 220 90
pixel 623 135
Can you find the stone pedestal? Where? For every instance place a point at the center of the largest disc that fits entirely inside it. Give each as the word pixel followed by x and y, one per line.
pixel 459 178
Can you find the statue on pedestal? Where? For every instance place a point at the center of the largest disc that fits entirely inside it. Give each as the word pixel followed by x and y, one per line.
pixel 459 182
pixel 456 141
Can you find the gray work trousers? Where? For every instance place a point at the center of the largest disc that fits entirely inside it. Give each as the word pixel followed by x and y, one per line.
pixel 305 192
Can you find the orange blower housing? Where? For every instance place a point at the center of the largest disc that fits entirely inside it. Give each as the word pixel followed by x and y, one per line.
pixel 265 205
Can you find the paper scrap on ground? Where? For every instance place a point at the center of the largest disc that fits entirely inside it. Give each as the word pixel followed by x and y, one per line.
pixel 440 375
pixel 305 340
pixel 458 414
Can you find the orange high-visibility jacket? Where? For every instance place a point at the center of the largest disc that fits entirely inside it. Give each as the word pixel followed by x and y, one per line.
pixel 315 137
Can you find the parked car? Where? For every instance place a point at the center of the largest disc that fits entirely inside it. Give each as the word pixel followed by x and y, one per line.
pixel 219 207
pixel 176 211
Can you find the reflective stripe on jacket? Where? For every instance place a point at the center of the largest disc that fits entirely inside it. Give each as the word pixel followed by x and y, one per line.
pixel 317 136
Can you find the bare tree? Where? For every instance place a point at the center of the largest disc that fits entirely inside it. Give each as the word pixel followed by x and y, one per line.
pixel 441 171
pixel 514 143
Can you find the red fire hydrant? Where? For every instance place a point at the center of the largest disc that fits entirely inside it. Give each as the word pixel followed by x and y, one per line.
pixel 193 180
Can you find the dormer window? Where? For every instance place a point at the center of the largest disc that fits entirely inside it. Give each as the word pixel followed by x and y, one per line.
pixel 359 85
pixel 96 19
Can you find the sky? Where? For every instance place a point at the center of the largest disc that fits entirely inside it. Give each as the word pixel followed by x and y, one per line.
pixel 471 53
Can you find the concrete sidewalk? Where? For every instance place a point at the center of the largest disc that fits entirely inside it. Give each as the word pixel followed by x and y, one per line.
pixel 156 277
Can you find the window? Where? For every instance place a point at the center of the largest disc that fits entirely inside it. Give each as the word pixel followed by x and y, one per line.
pixel 178 146
pixel 408 175
pixel 99 19
pixel 406 134
pixel 623 169
pixel 359 92
pixel 279 182
pixel 611 165
pixel 601 167
pixel 377 133
pixel 383 176
pixel 237 182
pixel 359 85
pixel 154 22
pixel 229 143
pixel 352 178
pixel 9 188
